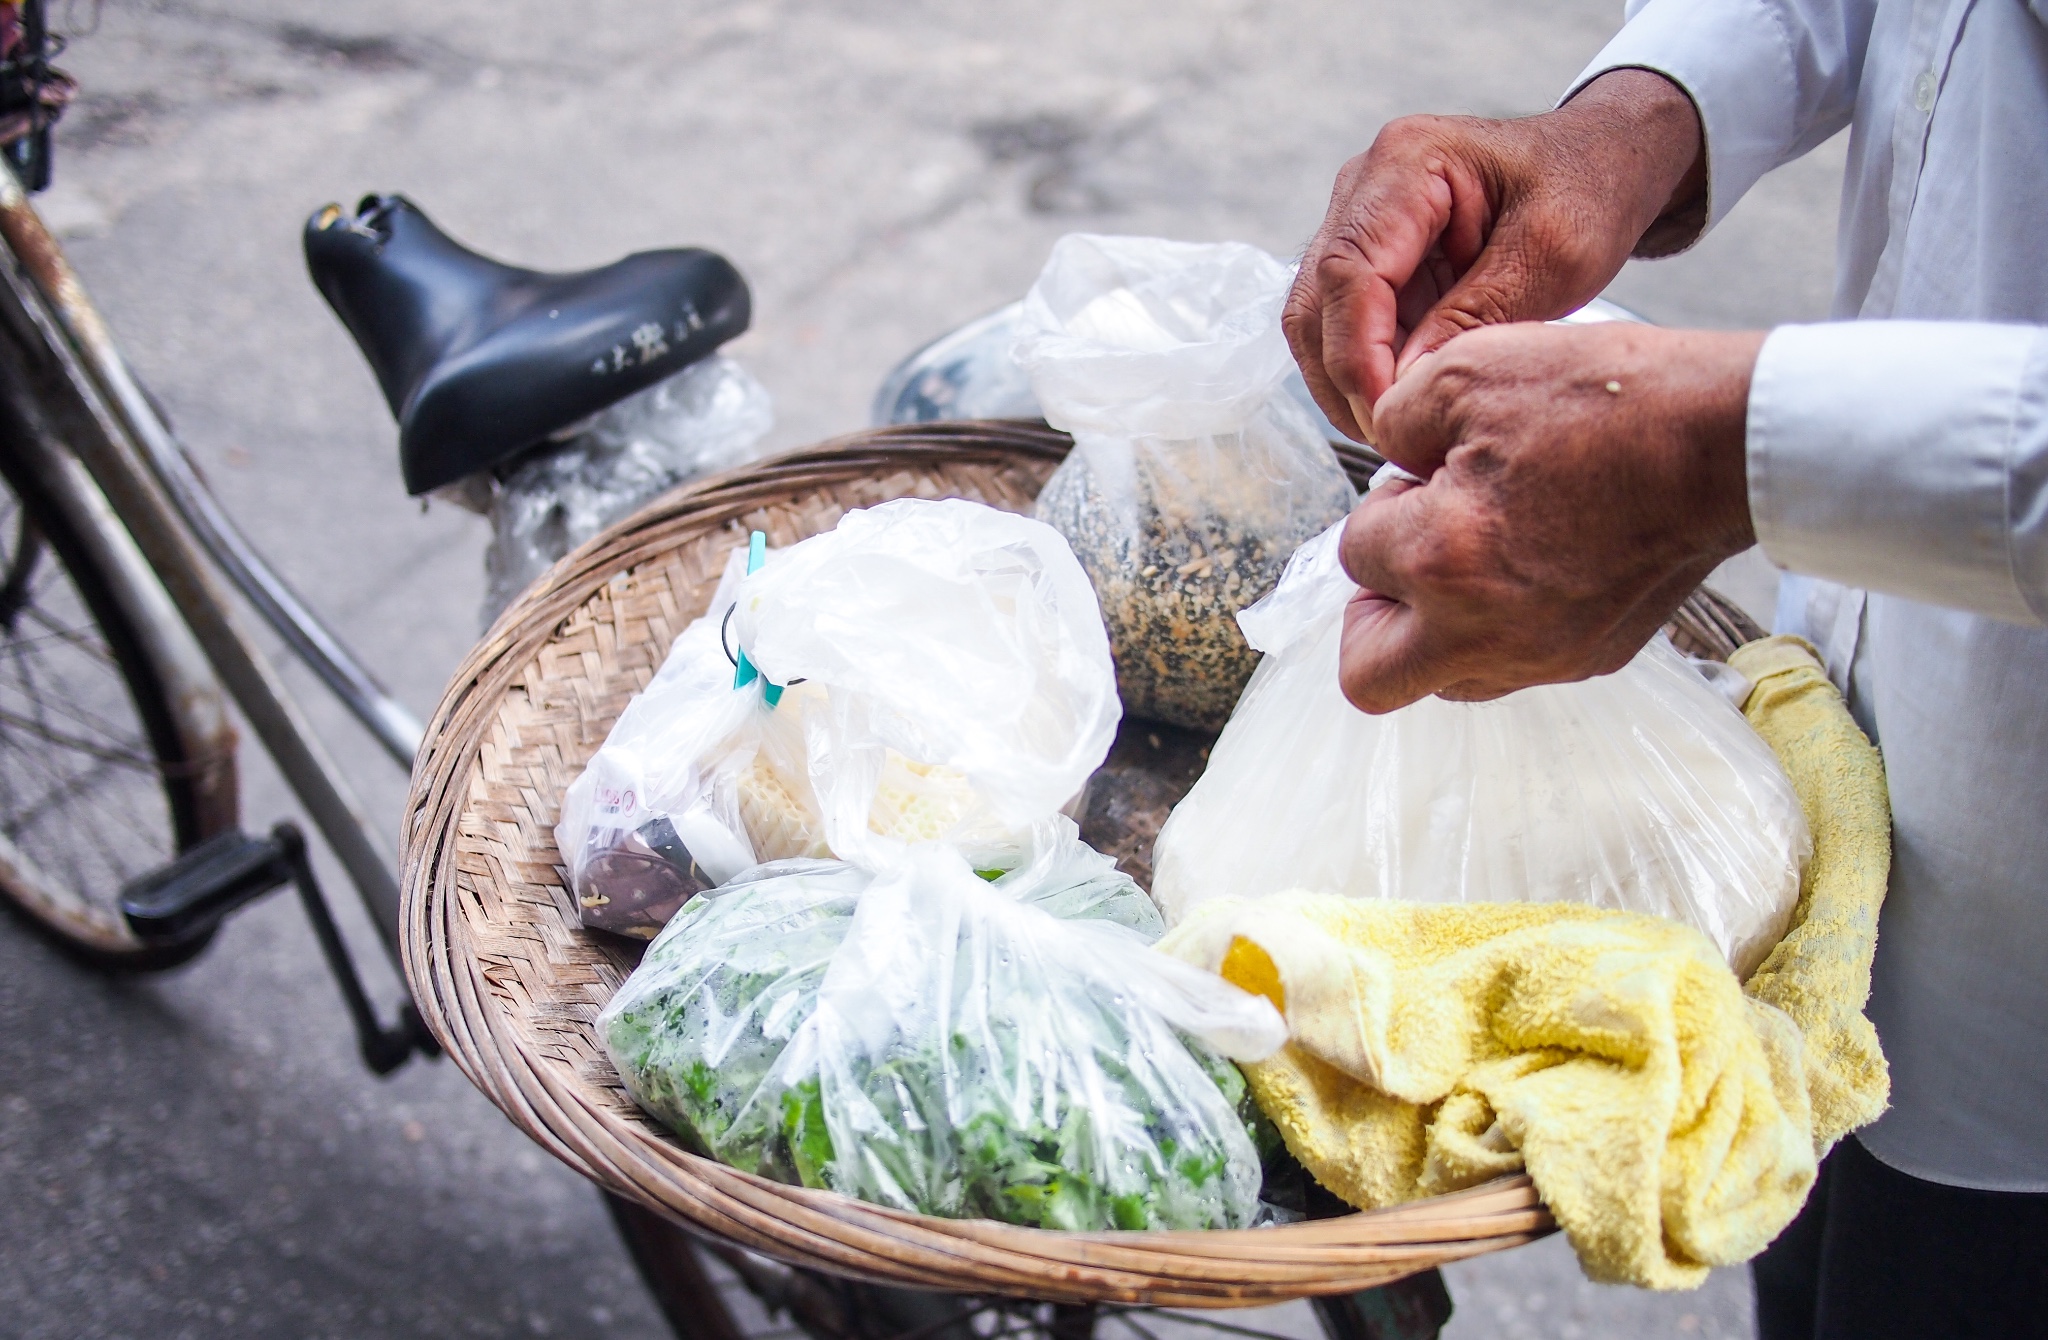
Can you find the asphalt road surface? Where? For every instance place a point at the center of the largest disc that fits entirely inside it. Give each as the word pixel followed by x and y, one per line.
pixel 199 1154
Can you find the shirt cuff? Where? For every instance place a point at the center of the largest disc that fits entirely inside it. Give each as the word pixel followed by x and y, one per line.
pixel 1909 457
pixel 1734 61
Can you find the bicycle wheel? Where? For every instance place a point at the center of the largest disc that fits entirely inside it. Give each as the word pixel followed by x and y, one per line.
pixel 97 781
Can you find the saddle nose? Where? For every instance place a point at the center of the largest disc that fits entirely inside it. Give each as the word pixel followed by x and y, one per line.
pixel 479 360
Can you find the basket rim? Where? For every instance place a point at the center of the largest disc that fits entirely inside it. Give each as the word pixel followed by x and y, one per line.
pixel 635 1158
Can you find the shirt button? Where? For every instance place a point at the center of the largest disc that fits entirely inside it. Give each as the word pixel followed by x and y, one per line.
pixel 1923 91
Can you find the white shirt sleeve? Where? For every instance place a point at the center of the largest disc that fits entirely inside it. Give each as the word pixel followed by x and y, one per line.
pixel 1909 457
pixel 1771 78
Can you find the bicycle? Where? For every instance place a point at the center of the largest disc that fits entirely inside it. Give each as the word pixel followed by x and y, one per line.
pixel 122 649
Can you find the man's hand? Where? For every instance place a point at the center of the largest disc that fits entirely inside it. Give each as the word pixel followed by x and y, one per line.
pixel 1449 223
pixel 1580 481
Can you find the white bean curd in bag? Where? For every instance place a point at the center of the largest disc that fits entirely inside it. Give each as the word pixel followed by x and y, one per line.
pixel 1643 790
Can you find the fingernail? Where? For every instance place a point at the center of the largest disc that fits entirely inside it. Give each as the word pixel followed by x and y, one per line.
pixel 1415 362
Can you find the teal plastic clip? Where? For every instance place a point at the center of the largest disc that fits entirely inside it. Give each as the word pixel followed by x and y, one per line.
pixel 757 554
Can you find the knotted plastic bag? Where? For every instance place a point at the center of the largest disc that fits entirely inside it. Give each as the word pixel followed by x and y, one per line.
pixel 695 782
pixel 1642 790
pixel 1194 473
pixel 961 638
pixel 924 1039
pixel 929 671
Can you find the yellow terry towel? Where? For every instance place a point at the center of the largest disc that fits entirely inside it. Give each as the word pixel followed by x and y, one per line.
pixel 1670 1117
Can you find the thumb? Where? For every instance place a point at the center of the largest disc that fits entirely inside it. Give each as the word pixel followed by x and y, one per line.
pixel 1414 423
pixel 1378 662
pixel 1384 658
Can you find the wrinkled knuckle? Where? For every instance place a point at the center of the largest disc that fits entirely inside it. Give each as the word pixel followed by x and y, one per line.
pixel 1354 170
pixel 1407 135
pixel 1475 312
pixel 1300 315
pixel 1341 262
pixel 1482 462
pixel 1499 304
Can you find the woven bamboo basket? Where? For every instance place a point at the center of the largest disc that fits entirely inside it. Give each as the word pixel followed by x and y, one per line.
pixel 511 985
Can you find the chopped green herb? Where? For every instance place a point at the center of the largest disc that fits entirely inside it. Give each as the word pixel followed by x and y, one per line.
pixel 1042 1099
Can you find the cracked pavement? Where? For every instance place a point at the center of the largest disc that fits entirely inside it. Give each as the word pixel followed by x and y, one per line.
pixel 199 1154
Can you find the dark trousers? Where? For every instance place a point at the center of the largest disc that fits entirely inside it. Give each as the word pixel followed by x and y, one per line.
pixel 1877 1254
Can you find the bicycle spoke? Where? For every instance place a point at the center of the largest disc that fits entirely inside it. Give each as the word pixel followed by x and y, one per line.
pixel 55 800
pixel 133 757
pixel 41 727
pixel 64 636
pixel 80 783
pixel 52 801
pixel 110 676
pixel 89 785
pixel 27 654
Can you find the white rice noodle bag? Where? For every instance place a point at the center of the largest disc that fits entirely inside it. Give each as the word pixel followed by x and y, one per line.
pixel 962 640
pixel 946 680
pixel 1643 790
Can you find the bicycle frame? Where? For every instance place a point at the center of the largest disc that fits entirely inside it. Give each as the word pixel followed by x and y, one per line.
pixel 153 504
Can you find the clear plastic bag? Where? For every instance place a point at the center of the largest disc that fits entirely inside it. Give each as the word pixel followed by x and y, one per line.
pixel 710 416
pixel 893 1025
pixel 1194 473
pixel 965 640
pixel 927 1040
pixel 971 373
pixel 696 781
pixel 1643 790
pixel 945 679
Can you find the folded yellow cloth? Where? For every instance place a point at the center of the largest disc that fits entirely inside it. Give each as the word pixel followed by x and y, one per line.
pixel 1670 1117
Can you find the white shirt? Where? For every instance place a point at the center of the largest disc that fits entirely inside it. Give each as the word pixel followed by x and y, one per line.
pixel 1907 452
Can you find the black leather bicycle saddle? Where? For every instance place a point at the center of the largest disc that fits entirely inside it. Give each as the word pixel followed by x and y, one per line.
pixel 480 360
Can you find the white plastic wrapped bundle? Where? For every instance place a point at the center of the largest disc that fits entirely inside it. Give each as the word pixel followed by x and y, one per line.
pixel 696 781
pixel 1643 790
pixel 947 680
pixel 957 636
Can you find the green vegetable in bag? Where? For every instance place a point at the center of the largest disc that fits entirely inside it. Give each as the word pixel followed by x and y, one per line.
pixel 927 1040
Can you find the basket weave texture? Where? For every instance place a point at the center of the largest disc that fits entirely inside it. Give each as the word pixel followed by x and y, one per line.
pixel 512 985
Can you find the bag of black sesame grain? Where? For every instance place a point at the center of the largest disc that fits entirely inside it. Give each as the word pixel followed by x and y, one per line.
pixel 1194 473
